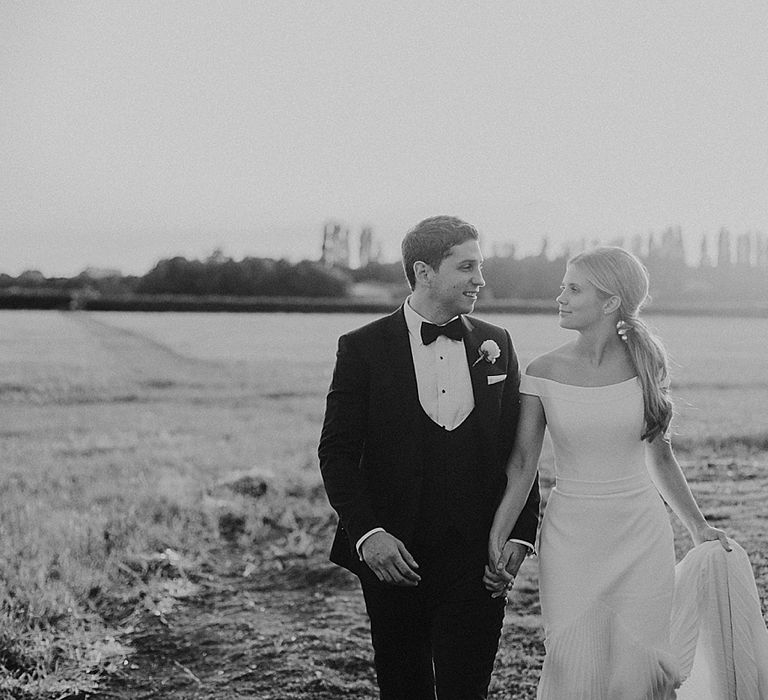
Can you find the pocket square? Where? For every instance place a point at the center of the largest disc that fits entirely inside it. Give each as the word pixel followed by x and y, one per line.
pixel 496 378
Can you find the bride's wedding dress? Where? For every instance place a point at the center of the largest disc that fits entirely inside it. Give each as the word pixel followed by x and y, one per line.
pixel 621 621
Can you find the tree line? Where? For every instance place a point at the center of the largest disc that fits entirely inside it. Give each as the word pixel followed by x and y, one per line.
pixel 217 275
pixel 731 277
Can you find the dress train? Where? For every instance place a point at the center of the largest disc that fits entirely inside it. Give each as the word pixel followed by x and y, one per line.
pixel 718 632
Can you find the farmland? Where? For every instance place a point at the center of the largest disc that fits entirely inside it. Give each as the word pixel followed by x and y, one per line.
pixel 163 530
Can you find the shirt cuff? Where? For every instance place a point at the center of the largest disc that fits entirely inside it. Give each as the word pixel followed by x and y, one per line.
pixel 364 538
pixel 531 548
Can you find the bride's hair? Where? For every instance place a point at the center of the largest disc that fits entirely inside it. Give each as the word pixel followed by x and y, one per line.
pixel 616 272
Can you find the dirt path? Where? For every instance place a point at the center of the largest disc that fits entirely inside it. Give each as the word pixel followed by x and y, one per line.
pixel 296 634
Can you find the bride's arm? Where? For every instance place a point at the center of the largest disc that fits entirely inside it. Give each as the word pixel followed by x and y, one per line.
pixel 667 475
pixel 521 472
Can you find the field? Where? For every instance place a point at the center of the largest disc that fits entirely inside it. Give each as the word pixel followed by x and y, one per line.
pixel 163 529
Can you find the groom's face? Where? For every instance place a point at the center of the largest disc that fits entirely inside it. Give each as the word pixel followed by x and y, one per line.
pixel 454 285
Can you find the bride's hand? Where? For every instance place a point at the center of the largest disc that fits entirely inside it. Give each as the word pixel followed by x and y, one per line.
pixel 496 583
pixel 707 533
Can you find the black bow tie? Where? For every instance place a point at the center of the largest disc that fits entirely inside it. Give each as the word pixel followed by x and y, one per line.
pixel 452 330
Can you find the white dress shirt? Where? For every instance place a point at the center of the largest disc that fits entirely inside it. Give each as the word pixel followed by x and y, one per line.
pixel 443 380
pixel 442 374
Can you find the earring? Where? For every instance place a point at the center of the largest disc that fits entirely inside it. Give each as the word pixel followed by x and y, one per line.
pixel 622 328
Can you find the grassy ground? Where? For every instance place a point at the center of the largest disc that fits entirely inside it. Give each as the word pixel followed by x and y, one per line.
pixel 163 530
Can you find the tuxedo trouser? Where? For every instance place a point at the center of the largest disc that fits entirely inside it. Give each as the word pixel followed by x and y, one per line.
pixel 440 636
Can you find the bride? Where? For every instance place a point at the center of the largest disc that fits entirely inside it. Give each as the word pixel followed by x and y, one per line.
pixel 621 621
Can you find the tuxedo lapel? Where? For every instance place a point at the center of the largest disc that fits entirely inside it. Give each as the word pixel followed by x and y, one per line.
pixel 478 372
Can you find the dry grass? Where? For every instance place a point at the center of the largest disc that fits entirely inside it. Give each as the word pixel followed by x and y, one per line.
pixel 144 454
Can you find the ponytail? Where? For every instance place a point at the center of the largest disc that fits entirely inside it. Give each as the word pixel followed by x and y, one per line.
pixel 650 361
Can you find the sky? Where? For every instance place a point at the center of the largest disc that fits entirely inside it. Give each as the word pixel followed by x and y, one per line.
pixel 132 131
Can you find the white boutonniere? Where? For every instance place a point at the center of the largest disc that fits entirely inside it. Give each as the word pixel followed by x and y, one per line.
pixel 488 351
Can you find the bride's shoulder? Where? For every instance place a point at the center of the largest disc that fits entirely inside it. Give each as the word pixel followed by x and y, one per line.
pixel 550 365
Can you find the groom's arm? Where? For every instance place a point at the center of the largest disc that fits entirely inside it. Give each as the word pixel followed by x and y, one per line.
pixel 342 440
pixel 527 523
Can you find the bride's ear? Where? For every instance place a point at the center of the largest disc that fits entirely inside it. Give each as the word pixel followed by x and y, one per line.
pixel 613 303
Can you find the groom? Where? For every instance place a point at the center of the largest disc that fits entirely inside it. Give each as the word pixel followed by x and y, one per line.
pixel 419 422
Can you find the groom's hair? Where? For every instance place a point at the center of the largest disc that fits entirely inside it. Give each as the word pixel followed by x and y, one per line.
pixel 431 241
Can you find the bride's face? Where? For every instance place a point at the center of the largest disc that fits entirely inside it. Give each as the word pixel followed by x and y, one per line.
pixel 580 302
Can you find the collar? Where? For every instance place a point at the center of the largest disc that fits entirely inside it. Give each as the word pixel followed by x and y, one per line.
pixel 413 319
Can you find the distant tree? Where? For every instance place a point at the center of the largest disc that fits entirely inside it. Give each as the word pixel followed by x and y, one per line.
pixel 761 247
pixel 31 278
pixel 724 248
pixel 217 257
pixel 386 273
pixel 175 275
pixel 533 277
pixel 672 246
pixel 219 275
pixel 652 252
pixel 705 261
pixel 744 250
pixel 309 279
pixel 366 246
pixel 666 265
pixel 335 249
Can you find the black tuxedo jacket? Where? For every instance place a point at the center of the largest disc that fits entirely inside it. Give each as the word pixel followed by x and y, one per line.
pixel 370 449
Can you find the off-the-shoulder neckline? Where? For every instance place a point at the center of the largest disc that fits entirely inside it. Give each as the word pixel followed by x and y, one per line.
pixel 581 386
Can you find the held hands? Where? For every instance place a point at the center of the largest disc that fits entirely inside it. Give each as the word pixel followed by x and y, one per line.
pixel 504 562
pixel 388 558
pixel 706 533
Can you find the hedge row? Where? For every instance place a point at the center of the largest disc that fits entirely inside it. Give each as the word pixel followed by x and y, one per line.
pixel 63 300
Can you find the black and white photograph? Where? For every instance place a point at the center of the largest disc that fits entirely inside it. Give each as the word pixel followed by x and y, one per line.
pixel 397 351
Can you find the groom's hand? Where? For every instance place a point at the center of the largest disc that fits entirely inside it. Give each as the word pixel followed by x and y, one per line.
pixel 388 558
